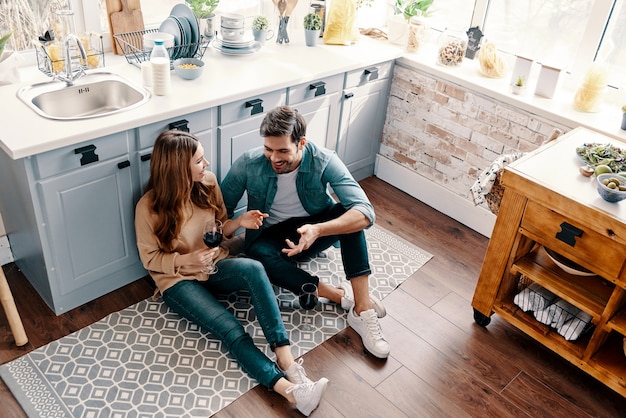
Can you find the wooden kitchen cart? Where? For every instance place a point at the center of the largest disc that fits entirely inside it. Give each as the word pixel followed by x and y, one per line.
pixel 547 202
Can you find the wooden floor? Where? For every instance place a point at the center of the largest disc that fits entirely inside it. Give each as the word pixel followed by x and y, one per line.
pixel 442 364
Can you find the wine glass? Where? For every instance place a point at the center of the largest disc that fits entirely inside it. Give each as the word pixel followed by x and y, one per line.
pixel 212 235
pixel 308 300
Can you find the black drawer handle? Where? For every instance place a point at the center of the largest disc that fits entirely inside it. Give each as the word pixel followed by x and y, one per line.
pixel 569 233
pixel 181 125
pixel 348 95
pixel 88 154
pixel 319 87
pixel 123 164
pixel 372 72
pixel 256 105
pixel 146 157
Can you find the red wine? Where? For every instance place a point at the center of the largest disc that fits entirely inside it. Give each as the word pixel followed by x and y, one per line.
pixel 308 300
pixel 212 239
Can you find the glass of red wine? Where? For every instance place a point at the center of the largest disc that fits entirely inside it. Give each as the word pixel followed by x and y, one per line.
pixel 308 301
pixel 212 235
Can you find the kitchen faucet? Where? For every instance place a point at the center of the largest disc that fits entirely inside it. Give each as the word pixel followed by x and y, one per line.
pixel 70 75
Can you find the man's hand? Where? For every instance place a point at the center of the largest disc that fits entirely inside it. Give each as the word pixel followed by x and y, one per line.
pixel 308 235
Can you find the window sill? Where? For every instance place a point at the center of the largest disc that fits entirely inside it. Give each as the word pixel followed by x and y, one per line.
pixel 559 109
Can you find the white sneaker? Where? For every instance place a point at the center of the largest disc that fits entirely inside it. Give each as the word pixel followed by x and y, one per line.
pixel 367 326
pixel 296 373
pixel 308 395
pixel 347 300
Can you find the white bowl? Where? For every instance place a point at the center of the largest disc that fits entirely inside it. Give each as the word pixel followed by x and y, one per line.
pixel 150 37
pixel 232 20
pixel 567 265
pixel 229 34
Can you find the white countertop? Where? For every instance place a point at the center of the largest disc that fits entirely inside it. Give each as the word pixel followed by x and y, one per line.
pixel 225 79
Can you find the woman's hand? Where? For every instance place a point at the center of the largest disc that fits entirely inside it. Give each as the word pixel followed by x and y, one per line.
pixel 200 257
pixel 253 219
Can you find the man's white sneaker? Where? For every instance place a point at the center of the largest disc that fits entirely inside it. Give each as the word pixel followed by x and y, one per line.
pixel 296 373
pixel 347 300
pixel 367 326
pixel 308 395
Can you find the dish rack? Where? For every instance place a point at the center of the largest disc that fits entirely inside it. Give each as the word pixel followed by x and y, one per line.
pixel 131 45
pixel 50 58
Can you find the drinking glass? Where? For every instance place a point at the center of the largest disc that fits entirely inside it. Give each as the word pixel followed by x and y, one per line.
pixel 308 301
pixel 212 235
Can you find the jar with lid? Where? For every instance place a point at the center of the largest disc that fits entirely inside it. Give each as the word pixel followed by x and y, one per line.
pixel 160 63
pixel 452 46
pixel 417 33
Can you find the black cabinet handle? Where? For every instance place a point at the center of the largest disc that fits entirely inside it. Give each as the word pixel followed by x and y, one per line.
pixel 348 95
pixel 319 87
pixel 123 164
pixel 256 105
pixel 372 72
pixel 568 233
pixel 88 154
pixel 181 125
pixel 146 157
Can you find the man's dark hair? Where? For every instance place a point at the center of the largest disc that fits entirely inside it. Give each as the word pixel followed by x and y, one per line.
pixel 283 121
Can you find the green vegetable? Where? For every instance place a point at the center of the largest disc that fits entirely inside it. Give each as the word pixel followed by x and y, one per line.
pixel 595 154
pixel 4 40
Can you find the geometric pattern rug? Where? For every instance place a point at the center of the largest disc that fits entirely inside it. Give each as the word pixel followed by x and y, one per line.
pixel 146 361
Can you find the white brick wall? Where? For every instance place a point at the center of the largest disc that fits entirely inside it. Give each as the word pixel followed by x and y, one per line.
pixel 449 134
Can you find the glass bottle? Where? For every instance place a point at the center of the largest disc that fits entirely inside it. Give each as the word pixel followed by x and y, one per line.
pixel 160 63
pixel 452 46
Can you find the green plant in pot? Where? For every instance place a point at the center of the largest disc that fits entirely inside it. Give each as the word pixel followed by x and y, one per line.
pixel 411 8
pixel 261 29
pixel 312 28
pixel 204 10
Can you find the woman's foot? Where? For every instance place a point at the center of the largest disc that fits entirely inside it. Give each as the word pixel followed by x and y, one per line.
pixel 307 396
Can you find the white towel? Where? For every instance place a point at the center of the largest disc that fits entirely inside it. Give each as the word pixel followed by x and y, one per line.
pixel 557 314
pixel 534 298
pixel 572 329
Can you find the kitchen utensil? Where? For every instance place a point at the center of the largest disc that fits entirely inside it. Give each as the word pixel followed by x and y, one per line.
pixel 124 19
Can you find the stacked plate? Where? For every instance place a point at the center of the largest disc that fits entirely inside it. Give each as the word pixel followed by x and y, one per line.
pixel 247 45
pixel 184 26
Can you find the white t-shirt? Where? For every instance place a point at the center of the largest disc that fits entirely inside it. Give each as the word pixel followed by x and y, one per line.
pixel 286 202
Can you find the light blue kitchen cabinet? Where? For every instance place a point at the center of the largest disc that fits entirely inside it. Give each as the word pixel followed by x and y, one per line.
pixel 69 215
pixel 364 103
pixel 319 101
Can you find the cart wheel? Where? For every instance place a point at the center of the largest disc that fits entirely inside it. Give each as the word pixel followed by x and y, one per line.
pixel 481 319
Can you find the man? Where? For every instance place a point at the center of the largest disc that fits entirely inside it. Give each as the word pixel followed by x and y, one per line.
pixel 287 179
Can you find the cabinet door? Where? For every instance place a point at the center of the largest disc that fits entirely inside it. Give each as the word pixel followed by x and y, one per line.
pixel 322 117
pixel 90 217
pixel 362 121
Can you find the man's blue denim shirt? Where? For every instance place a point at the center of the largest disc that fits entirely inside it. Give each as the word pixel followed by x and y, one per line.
pixel 319 170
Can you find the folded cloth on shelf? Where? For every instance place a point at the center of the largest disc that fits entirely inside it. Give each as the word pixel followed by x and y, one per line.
pixel 572 328
pixel 534 298
pixel 557 313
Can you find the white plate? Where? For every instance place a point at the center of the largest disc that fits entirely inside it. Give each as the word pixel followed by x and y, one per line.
pixel 237 51
pixel 568 265
pixel 246 41
pixel 170 26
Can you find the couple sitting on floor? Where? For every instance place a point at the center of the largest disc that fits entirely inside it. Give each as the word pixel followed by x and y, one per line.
pixel 290 215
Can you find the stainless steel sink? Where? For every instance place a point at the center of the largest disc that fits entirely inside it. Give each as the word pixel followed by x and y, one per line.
pixel 90 96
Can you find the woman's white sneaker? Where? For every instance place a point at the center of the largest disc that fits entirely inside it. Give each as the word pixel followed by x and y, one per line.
pixel 296 373
pixel 308 395
pixel 367 326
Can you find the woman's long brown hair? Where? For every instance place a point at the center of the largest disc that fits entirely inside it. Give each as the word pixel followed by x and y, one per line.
pixel 172 185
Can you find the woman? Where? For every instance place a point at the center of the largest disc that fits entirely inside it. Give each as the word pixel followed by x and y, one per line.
pixel 181 196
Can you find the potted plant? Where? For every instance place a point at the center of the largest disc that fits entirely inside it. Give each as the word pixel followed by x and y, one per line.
pixel 261 29
pixel 312 28
pixel 204 10
pixel 403 10
pixel 518 86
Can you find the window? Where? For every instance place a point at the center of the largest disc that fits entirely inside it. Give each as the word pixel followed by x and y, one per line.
pixel 567 33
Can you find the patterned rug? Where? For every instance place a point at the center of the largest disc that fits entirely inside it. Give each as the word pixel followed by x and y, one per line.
pixel 146 361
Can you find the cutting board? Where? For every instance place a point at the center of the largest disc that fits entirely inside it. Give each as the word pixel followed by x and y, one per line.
pixel 125 16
